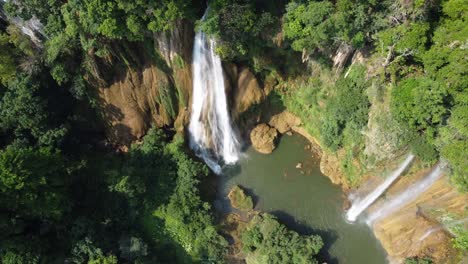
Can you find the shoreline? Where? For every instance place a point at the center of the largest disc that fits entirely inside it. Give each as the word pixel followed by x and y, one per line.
pixel 402 227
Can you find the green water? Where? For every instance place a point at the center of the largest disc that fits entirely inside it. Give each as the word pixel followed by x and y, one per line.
pixel 306 202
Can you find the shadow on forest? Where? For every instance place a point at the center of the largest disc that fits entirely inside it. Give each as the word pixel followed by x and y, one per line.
pixel 329 236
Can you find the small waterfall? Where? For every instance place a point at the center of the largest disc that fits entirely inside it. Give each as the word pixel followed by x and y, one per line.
pixel 410 194
pixel 33 28
pixel 360 205
pixel 434 229
pixel 428 233
pixel 211 135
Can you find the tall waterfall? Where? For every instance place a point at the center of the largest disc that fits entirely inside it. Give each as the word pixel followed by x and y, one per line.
pixel 211 133
pixel 407 196
pixel 361 204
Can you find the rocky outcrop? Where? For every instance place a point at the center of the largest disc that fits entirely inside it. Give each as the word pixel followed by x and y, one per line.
pixel 130 105
pixel 404 233
pixel 342 56
pixel 284 122
pixel 383 136
pixel 145 85
pixel 330 167
pixel 239 200
pixel 243 87
pixel 175 46
pixel 263 138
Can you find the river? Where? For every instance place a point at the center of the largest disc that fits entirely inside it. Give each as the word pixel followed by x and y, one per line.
pixel 303 199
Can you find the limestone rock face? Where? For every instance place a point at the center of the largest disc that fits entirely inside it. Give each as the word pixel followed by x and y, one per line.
pixel 263 138
pixel 243 88
pixel 130 105
pixel 342 55
pixel 284 122
pixel 404 233
pixel 330 167
pixel 146 91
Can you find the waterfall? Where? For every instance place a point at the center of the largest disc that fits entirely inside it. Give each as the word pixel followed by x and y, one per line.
pixel 410 194
pixel 360 205
pixel 212 136
pixel 428 233
pixel 32 27
pixel 434 229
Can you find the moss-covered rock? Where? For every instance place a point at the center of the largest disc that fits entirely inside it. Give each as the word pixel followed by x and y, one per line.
pixel 263 138
pixel 239 199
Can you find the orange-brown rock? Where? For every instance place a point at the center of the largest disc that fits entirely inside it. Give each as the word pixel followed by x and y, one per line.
pixel 263 138
pixel 284 122
pixel 244 88
pixel 330 167
pixel 148 90
pixel 402 233
pixel 130 104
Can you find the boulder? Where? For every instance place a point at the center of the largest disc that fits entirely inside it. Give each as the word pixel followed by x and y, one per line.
pixel 263 138
pixel 239 199
pixel 246 91
pixel 284 122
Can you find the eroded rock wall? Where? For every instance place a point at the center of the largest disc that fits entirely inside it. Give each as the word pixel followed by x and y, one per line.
pixel 402 234
pixel 142 85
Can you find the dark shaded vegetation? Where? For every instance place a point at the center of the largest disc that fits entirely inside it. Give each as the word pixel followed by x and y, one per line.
pixel 66 196
pixel 265 240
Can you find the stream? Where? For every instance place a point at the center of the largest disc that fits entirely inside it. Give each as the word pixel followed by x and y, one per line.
pixel 303 199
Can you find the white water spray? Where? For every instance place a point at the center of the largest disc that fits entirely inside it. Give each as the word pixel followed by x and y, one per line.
pixel 428 233
pixel 410 194
pixel 360 205
pixel 32 27
pixel 434 229
pixel 211 134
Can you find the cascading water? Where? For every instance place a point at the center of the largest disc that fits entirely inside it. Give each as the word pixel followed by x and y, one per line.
pixel 31 27
pixel 211 135
pixel 410 194
pixel 434 229
pixel 361 204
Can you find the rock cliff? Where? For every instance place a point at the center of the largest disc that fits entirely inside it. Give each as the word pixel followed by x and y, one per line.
pixel 145 84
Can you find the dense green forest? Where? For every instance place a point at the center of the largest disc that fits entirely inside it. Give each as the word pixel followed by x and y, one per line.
pixel 69 196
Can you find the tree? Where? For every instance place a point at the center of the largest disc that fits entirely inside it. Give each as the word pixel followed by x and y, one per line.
pixel 324 25
pixel 310 25
pixel 347 106
pixel 238 26
pixel 26 114
pixel 8 63
pixel 265 240
pixel 421 104
pixel 186 217
pixel 453 140
pixel 33 182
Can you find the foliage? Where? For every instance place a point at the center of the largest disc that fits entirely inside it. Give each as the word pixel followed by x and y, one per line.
pixel 267 241
pixel 347 107
pixel 324 25
pixel 186 217
pixel 405 39
pixel 25 113
pixel 239 199
pixel 7 67
pixel 421 105
pixel 453 140
pixel 33 182
pixel 23 258
pixel 418 260
pixel 238 25
pixel 309 25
